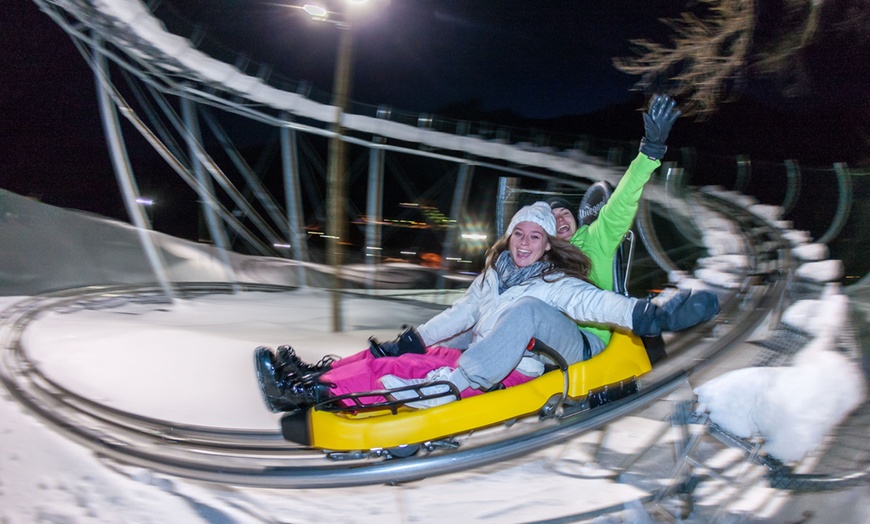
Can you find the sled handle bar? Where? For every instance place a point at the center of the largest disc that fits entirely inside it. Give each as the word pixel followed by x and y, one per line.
pixel 536 346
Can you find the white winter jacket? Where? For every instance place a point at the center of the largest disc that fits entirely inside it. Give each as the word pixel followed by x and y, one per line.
pixel 481 306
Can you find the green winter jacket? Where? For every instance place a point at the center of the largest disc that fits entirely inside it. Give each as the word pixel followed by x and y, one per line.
pixel 600 239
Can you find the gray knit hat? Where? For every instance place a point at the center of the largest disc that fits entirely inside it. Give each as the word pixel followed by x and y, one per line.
pixel 539 213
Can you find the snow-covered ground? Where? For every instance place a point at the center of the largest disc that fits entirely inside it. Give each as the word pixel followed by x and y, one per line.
pixel 193 364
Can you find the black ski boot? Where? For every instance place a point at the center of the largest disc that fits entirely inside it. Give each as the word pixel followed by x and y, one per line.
pixel 281 394
pixel 408 341
pixel 292 368
pixel 300 396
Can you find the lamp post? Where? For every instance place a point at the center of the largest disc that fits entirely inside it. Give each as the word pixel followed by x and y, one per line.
pixel 336 191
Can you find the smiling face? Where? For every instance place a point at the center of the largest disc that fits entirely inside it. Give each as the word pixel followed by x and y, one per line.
pixel 566 225
pixel 528 243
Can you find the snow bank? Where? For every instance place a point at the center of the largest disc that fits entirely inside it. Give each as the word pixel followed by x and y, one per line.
pixel 813 251
pixel 821 271
pixel 792 407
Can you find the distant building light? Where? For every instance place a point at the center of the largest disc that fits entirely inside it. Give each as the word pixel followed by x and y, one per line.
pixel 407 252
pixel 330 236
pixel 374 248
pixel 454 259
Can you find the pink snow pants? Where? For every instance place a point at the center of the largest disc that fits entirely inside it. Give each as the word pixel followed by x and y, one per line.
pixel 362 372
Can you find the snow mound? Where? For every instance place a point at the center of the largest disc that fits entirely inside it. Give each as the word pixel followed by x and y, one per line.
pixel 813 251
pixel 792 407
pixel 822 271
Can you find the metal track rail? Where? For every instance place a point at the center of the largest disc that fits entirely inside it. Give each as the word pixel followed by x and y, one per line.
pixel 264 459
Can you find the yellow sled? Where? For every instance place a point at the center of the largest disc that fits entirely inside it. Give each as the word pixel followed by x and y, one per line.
pixel 617 367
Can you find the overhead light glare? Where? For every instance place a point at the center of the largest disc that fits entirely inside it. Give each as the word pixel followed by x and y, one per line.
pixel 315 11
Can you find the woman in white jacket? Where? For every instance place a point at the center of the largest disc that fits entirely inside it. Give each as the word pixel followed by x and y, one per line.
pixel 534 285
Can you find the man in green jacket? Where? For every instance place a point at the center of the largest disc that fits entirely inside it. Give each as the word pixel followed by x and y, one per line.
pixel 602 237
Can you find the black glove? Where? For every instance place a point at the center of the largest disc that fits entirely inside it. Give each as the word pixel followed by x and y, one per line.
pixel 673 310
pixel 657 123
pixel 408 341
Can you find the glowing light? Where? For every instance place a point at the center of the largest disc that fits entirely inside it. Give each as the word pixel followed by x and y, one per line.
pixel 145 201
pixel 286 246
pixel 473 236
pixel 315 11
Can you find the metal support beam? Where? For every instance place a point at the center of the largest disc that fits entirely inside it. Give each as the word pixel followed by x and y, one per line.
pixel 793 171
pixel 675 180
pixel 457 208
pixel 205 188
pixel 844 203
pixel 293 199
pixel 503 208
pixel 375 202
pixel 250 176
pixel 744 173
pixel 124 174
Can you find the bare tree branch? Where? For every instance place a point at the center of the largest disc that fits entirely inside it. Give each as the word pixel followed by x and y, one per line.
pixel 709 57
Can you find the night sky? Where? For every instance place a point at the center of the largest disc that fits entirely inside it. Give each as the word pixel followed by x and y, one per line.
pixel 537 60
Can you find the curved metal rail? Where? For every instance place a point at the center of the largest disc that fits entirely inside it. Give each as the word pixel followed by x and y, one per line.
pixel 264 459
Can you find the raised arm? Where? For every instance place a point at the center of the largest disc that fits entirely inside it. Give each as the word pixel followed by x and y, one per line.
pixel 616 216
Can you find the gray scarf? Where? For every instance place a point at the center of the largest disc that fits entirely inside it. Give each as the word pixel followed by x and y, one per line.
pixel 510 275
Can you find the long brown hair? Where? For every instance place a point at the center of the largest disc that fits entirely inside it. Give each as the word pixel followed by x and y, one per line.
pixel 565 259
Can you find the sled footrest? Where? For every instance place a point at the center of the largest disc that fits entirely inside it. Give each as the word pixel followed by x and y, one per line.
pixel 360 401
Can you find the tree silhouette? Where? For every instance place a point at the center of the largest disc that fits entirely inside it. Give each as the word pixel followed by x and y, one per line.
pixel 716 47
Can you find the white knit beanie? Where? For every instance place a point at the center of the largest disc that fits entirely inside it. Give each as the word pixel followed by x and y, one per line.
pixel 539 213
